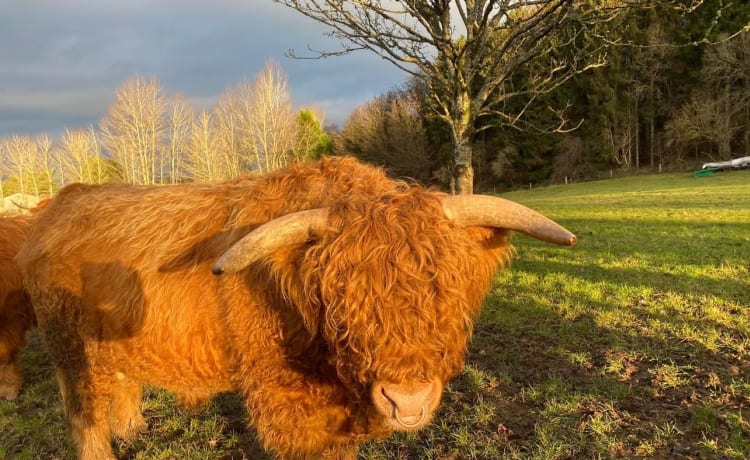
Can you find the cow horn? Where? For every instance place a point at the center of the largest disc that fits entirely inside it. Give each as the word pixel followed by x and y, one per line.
pixel 287 230
pixel 492 211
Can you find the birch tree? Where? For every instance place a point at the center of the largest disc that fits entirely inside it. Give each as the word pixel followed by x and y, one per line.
pixel 234 114
pixel 272 121
pixel 206 161
pixel 256 122
pixel 82 161
pixel 20 154
pixel 179 120
pixel 46 166
pixel 135 128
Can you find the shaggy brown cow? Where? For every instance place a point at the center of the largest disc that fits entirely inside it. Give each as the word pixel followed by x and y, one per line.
pixel 16 314
pixel 344 307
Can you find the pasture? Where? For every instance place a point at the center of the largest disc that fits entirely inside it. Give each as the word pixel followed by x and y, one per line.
pixel 633 343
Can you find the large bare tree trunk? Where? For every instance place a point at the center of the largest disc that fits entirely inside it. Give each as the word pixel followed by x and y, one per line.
pixel 463 131
pixel 464 170
pixel 465 180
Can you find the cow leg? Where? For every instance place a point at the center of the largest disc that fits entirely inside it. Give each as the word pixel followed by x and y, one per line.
pixel 87 398
pixel 12 331
pixel 10 379
pixel 125 418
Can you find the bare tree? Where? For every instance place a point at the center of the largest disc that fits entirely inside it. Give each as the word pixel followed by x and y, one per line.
pixel 31 164
pixel 4 169
pixel 725 69
pixel 466 51
pixel 719 111
pixel 228 117
pixel 206 162
pixel 20 154
pixel 256 122
pixel 388 131
pixel 272 125
pixel 46 165
pixel 178 123
pixel 81 157
pixel 705 118
pixel 135 128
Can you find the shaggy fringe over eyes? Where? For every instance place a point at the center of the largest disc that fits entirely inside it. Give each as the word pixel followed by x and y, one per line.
pixel 399 286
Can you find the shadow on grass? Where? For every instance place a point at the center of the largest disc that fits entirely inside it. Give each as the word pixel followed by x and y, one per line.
pixel 659 251
pixel 540 383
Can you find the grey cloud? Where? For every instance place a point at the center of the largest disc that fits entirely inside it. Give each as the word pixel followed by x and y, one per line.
pixel 74 54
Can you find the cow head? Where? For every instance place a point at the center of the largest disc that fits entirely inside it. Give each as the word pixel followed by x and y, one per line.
pixel 393 283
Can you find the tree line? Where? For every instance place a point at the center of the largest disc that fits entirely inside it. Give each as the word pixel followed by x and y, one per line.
pixel 150 137
pixel 651 108
pixel 529 91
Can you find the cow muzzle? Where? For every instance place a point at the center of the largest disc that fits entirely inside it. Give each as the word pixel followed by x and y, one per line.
pixel 409 406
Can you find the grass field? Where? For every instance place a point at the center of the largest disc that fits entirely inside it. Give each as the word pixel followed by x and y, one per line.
pixel 633 343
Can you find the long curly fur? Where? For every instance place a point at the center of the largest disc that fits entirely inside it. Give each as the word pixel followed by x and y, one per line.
pixel 16 313
pixel 121 282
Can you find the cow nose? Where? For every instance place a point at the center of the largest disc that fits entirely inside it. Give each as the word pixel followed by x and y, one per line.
pixel 407 405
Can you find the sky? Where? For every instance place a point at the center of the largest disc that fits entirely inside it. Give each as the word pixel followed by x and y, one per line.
pixel 61 61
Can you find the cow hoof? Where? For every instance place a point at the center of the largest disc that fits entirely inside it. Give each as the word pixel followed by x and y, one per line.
pixel 130 429
pixel 9 392
pixel 10 381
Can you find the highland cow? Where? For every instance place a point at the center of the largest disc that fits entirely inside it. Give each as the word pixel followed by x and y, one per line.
pixel 16 313
pixel 343 304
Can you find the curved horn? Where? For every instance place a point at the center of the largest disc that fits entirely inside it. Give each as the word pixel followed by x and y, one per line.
pixel 283 231
pixel 492 211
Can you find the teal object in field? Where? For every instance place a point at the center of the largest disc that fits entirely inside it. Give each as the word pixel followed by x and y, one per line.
pixel 705 172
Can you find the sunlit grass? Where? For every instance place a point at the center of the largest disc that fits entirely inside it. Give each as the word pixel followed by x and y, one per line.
pixel 633 343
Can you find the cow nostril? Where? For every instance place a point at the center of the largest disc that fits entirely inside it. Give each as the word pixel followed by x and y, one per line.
pixel 389 402
pixel 410 401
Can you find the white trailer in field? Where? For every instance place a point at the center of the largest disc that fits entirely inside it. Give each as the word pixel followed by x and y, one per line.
pixel 710 168
pixel 737 163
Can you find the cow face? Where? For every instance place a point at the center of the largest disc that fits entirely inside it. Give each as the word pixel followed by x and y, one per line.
pixel 396 288
pixel 392 284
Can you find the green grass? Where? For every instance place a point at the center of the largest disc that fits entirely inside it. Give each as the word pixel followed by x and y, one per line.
pixel 633 343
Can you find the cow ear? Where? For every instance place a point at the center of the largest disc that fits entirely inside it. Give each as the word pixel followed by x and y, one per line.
pixel 288 271
pixel 490 237
pixel 496 248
